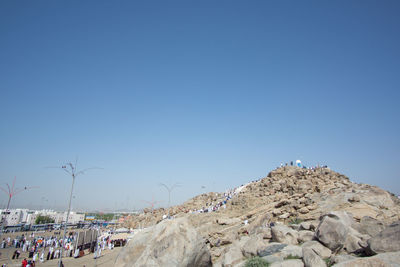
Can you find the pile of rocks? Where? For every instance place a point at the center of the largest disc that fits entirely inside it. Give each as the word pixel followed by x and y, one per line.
pixel 335 239
pixel 292 217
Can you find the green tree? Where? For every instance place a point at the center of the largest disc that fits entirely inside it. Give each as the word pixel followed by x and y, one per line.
pixel 41 219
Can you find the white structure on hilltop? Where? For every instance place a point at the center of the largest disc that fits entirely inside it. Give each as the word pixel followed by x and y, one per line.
pixel 24 216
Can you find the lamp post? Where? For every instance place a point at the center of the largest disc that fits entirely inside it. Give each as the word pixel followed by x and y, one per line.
pixel 71 170
pixel 10 192
pixel 151 203
pixel 169 189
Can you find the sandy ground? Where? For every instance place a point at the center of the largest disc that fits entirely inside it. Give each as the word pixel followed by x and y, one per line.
pixel 106 259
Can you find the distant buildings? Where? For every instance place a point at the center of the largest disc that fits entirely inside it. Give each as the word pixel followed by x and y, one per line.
pixel 25 216
pixel 15 216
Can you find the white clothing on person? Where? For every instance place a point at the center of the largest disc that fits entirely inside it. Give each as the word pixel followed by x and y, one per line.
pixel 76 254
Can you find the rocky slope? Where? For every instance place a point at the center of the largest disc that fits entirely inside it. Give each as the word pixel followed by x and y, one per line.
pixel 278 216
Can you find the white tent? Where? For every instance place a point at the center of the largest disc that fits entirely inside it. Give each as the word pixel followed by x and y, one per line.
pixel 122 230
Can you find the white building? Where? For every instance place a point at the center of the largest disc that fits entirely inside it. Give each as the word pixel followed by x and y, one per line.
pixel 19 216
pixel 73 217
pixel 15 216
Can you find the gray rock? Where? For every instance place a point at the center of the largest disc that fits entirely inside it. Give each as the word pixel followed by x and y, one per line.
pixel 271 249
pixel 389 259
pixel 169 243
pixel 387 240
pixel 304 210
pixel 355 242
pixel 370 226
pixel 311 259
pixel 252 246
pixel 232 256
pixel 305 226
pixel 228 238
pixel 264 232
pixel 288 263
pixel 284 234
pixel 291 250
pixel 318 248
pixel 228 221
pixel 354 198
pixel 260 224
pixel 333 229
pixel 352 244
pixel 341 258
pixel 295 227
pixel 305 236
pixel 272 258
pixel 284 216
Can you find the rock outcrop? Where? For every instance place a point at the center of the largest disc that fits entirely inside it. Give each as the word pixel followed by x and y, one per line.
pixel 390 259
pixel 170 243
pixel 293 216
pixel 386 241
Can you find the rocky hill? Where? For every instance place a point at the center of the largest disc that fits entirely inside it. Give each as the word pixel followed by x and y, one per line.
pixel 287 209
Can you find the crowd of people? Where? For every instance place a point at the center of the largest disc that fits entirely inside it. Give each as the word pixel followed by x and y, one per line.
pixel 210 207
pixel 299 164
pixel 40 248
pixel 46 248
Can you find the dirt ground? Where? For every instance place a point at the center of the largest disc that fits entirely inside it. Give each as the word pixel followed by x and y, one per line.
pixel 106 259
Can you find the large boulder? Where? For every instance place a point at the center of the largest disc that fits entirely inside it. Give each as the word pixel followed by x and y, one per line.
pixel 311 258
pixel 333 229
pixel 260 223
pixel 271 249
pixel 253 245
pixel 360 210
pixel 284 234
pixel 169 243
pixel 390 259
pixel 322 251
pixel 292 251
pixel 276 252
pixel 387 240
pixel 370 226
pixel 377 197
pixel 355 241
pixel 341 258
pixel 232 256
pixel 305 236
pixel 307 226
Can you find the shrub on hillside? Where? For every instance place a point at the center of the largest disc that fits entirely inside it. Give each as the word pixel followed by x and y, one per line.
pixel 256 262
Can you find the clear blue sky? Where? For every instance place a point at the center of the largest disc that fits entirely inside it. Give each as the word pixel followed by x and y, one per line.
pixel 205 93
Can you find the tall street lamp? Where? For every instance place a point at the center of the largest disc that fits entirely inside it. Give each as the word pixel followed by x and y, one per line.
pixel 71 170
pixel 169 189
pixel 10 192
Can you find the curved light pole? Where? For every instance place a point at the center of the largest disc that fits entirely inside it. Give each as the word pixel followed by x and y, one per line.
pixel 10 192
pixel 151 203
pixel 71 170
pixel 13 191
pixel 169 189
